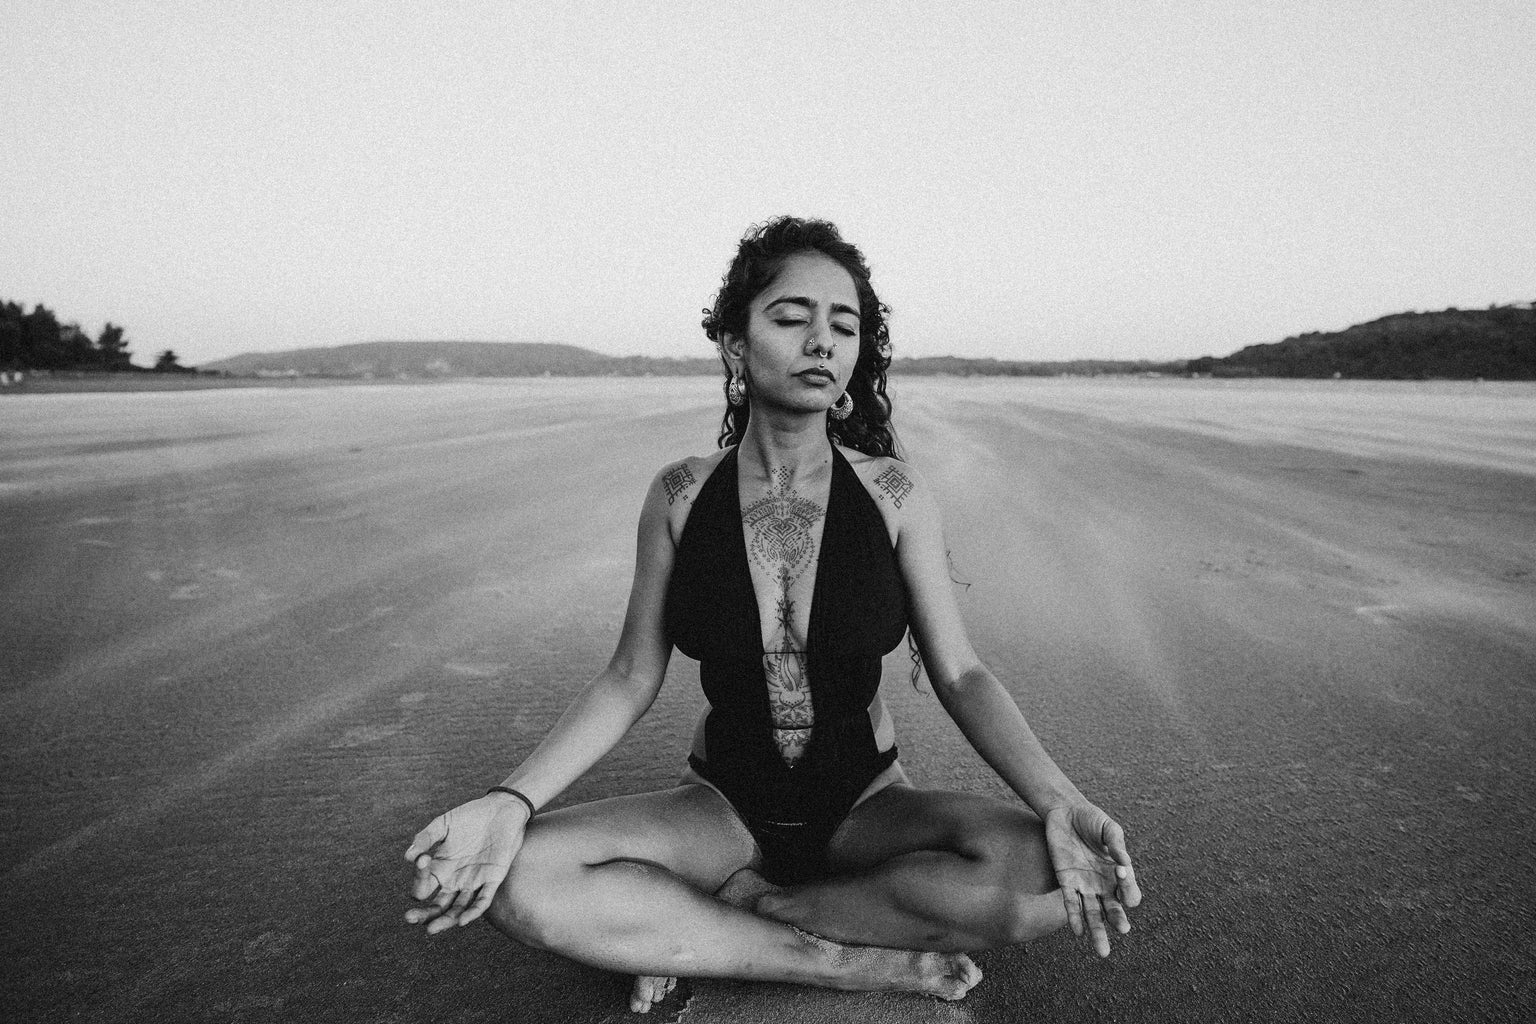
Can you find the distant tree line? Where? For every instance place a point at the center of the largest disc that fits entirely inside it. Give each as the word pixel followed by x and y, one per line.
pixel 1497 343
pixel 38 341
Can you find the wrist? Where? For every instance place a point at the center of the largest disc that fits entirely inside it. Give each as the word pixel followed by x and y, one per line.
pixel 507 793
pixel 1057 803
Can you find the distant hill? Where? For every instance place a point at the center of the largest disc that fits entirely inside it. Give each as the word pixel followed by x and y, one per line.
pixel 1457 344
pixel 387 359
pixel 955 366
pixel 416 359
pixel 1495 344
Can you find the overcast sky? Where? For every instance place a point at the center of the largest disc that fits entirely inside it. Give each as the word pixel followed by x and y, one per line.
pixel 1029 180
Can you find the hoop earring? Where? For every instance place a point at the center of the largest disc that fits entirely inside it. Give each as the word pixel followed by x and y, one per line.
pixel 736 390
pixel 843 409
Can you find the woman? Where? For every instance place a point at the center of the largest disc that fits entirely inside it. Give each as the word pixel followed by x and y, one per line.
pixel 788 563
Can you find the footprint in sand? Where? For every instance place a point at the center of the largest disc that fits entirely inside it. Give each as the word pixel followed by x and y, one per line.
pixel 360 735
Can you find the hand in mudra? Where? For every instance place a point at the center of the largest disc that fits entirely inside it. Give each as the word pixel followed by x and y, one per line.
pixel 1093 869
pixel 462 858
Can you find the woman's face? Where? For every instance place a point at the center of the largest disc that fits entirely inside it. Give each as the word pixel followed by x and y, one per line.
pixel 802 336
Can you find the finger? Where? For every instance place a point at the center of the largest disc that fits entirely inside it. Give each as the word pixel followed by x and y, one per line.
pixel 421 915
pixel 1096 930
pixel 416 915
pixel 1114 841
pixel 1074 904
pixel 481 905
pixel 435 832
pixel 426 883
pixel 442 922
pixel 1129 891
pixel 462 901
pixel 1115 914
pixel 445 897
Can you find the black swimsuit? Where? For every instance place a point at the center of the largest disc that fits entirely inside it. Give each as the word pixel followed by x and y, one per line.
pixel 858 614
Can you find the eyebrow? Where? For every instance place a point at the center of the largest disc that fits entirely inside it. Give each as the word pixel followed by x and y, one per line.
pixel 801 300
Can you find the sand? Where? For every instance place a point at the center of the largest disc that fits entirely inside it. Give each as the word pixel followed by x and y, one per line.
pixel 255 638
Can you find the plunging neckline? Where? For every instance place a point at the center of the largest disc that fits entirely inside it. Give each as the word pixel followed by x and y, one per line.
pixel 817 587
pixel 740 534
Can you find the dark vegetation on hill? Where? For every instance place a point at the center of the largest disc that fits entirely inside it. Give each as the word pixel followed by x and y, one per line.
pixel 38 341
pixel 1498 343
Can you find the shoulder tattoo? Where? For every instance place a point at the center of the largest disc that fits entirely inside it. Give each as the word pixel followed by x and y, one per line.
pixel 894 483
pixel 676 482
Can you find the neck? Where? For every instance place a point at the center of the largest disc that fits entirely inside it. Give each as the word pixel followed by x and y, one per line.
pixel 800 445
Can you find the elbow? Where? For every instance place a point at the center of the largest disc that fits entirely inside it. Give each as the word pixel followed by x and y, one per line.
pixel 960 682
pixel 628 684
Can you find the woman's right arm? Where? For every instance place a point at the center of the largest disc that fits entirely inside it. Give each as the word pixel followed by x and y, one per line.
pixel 462 856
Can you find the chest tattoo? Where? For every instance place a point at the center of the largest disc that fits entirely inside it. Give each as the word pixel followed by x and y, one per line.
pixel 780 525
pixel 782 546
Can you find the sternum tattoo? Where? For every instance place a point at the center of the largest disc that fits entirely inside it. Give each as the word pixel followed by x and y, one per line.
pixel 782 546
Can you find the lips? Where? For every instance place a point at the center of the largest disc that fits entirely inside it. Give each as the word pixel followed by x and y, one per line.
pixel 817 375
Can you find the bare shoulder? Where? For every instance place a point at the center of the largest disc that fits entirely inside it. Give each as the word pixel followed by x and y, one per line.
pixel 678 484
pixel 899 490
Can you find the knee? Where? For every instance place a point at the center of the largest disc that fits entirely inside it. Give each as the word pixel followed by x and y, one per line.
pixel 1010 848
pixel 1019 896
pixel 1024 917
pixel 527 905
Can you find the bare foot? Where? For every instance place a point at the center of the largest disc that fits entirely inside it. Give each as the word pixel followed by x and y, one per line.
pixel 743 889
pixel 874 968
pixel 648 991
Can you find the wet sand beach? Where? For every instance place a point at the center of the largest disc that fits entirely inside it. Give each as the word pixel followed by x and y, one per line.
pixel 256 638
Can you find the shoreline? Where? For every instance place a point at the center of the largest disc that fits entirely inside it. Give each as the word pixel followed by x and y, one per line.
pixel 71 383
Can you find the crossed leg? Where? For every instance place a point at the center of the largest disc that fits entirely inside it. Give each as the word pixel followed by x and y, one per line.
pixel 916 869
pixel 623 884
pixel 929 869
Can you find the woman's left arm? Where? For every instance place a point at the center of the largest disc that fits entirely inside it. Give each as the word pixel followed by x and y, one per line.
pixel 1087 847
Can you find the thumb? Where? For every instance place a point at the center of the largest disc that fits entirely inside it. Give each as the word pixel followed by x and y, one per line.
pixel 435 832
pixel 1114 840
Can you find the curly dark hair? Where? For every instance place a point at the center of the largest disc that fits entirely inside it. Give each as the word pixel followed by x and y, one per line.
pixel 759 257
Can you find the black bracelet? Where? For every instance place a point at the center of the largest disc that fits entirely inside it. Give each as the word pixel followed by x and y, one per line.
pixel 512 792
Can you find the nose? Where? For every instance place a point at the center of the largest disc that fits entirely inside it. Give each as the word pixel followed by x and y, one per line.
pixel 819 343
